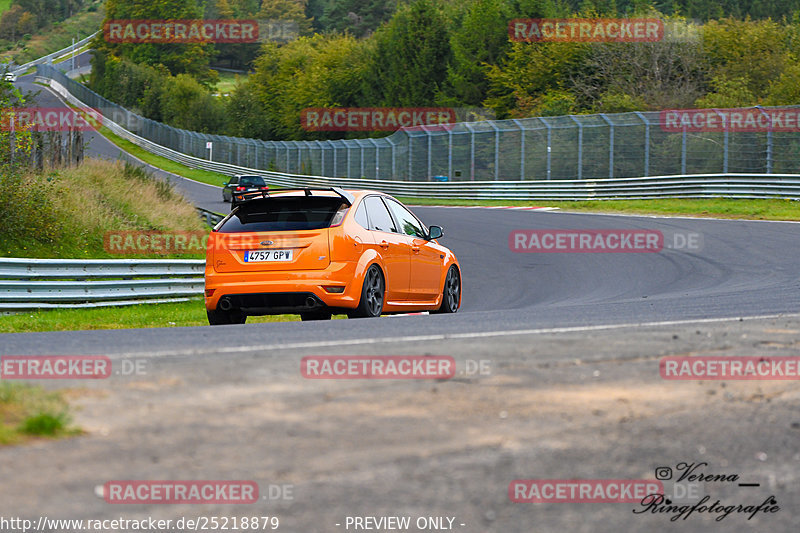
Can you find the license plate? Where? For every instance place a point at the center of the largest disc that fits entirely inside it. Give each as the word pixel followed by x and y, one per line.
pixel 254 256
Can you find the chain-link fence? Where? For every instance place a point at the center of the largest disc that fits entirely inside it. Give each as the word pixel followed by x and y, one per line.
pixel 571 147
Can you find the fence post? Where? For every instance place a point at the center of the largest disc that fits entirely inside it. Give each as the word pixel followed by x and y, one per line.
pixel 496 150
pixel 471 151
pixel 769 140
pixel 335 154
pixel 683 151
pixel 521 149
pixel 610 145
pixel 646 143
pixel 377 158
pixel 361 153
pixel 391 144
pixel 299 155
pixel 410 155
pixel 430 155
pixel 321 146
pixel 450 154
pixel 724 142
pixel 347 172
pixel 549 139
pixel 580 146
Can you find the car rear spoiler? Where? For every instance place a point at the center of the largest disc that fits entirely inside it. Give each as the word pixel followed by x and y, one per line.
pixel 348 198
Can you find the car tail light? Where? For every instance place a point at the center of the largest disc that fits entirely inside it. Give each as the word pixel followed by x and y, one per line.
pixel 338 218
pixel 210 293
pixel 240 188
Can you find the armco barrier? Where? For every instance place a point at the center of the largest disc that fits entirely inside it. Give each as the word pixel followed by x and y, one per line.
pixel 27 284
pixel 734 185
pixel 19 70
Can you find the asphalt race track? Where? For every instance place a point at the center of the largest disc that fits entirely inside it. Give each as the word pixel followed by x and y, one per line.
pixel 572 341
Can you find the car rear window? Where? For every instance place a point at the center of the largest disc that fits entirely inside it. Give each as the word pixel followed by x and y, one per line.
pixel 283 214
pixel 252 181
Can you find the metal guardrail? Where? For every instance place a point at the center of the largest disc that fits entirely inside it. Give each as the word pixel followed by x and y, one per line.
pixel 210 217
pixel 27 284
pixel 17 71
pixel 734 185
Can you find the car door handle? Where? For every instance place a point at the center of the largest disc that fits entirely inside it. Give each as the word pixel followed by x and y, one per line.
pixel 384 245
pixel 415 249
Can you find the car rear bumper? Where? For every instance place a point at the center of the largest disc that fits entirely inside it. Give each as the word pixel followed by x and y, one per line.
pixel 265 293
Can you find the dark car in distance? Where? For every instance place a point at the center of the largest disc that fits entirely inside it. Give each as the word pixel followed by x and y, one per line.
pixel 240 184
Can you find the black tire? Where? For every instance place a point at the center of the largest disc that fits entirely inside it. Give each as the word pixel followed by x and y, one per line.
pixel 221 318
pixel 316 315
pixel 451 294
pixel 372 292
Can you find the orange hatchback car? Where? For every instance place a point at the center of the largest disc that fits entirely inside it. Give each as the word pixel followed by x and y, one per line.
pixel 320 251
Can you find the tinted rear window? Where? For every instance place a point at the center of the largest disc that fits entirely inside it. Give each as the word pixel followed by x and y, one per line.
pixel 252 181
pixel 283 214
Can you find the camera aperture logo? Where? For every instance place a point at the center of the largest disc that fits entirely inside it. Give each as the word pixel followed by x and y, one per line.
pixel 693 473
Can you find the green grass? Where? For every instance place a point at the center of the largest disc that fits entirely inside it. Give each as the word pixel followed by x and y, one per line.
pixel 28 412
pixel 204 176
pixel 4 5
pixel 767 209
pixel 227 82
pixel 166 315
pixel 68 212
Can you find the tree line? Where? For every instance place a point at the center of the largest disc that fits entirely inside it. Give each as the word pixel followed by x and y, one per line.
pixel 24 17
pixel 447 53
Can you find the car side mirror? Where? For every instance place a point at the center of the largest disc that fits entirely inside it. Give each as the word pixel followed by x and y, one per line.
pixel 435 232
pixel 224 183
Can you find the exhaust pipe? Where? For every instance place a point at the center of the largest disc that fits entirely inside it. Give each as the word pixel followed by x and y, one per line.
pixel 225 304
pixel 311 302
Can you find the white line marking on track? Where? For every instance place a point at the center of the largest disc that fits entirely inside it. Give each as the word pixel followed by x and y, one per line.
pixel 446 336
